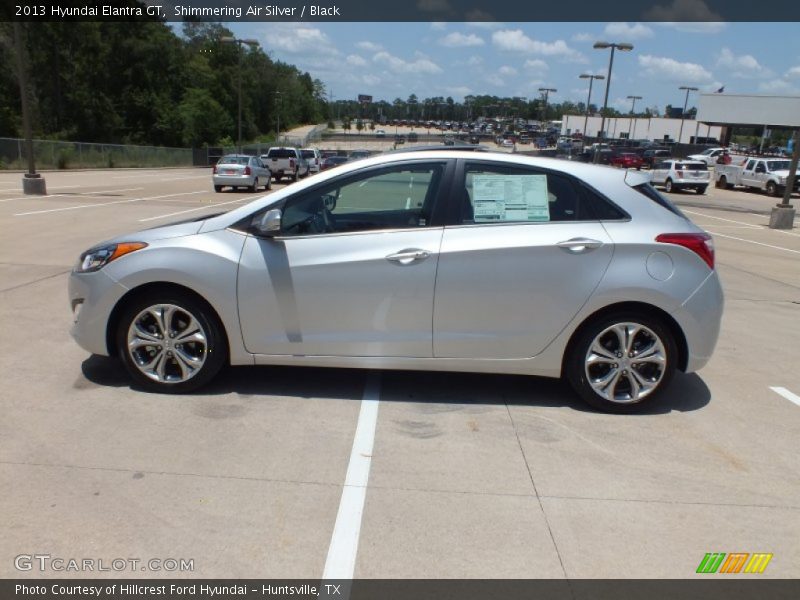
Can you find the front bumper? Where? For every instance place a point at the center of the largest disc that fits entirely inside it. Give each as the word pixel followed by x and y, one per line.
pixel 93 297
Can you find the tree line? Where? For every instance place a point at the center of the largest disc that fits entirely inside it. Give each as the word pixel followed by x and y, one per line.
pixel 142 83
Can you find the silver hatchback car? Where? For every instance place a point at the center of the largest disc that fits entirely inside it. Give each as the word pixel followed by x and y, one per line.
pixel 436 260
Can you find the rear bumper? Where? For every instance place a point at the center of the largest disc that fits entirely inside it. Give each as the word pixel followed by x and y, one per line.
pixel 234 180
pixel 699 317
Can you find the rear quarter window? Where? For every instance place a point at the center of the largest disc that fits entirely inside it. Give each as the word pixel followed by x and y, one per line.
pixel 651 193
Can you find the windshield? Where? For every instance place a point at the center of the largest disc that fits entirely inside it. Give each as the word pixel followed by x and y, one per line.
pixel 307 153
pixel 778 165
pixel 708 152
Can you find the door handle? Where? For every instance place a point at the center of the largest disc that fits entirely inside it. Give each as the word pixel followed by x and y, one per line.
pixel 578 245
pixel 409 256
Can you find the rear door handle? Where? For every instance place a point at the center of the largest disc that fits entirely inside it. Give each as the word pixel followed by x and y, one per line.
pixel 578 245
pixel 409 256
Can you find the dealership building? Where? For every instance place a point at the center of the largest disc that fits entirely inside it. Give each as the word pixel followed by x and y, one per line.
pixel 654 128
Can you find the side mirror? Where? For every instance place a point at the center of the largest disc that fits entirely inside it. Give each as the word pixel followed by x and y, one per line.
pixel 270 223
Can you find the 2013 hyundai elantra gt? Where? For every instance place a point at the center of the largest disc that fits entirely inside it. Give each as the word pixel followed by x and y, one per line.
pixel 436 260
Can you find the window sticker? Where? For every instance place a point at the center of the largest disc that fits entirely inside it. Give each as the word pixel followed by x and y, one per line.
pixel 510 198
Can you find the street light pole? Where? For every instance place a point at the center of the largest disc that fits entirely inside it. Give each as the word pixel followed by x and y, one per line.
pixel 685 104
pixel 625 47
pixel 591 79
pixel 238 42
pixel 546 92
pixel 633 117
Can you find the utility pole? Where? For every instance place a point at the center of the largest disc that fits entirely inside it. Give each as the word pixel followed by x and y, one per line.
pixel 252 43
pixel 614 46
pixel 685 104
pixel 633 115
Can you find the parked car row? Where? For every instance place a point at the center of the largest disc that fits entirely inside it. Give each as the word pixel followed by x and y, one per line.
pixel 251 172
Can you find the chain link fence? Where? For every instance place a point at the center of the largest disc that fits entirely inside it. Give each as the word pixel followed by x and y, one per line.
pixel 50 154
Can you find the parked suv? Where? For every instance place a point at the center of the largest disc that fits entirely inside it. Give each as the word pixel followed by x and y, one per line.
pixel 313 157
pixel 654 155
pixel 677 175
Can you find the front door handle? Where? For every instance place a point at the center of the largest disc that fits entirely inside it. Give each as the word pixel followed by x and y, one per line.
pixel 578 245
pixel 409 256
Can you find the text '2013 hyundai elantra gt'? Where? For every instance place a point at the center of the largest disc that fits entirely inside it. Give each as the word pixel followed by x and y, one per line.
pixel 435 260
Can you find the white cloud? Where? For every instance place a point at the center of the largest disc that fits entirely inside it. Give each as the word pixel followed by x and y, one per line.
pixel 506 71
pixel 474 61
pixel 777 86
pixel 459 40
pixel 495 80
pixel 633 31
pixel 398 65
pixel 745 66
pixel 438 25
pixel 369 46
pixel 793 72
pixel 672 70
pixel 536 64
pixel 297 38
pixel 460 90
pixel 356 60
pixel 514 40
pixel 582 37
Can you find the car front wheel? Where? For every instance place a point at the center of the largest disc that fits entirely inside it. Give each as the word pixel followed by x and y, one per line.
pixel 621 363
pixel 171 342
pixel 668 187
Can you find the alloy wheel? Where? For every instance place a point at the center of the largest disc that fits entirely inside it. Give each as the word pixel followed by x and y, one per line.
pixel 167 343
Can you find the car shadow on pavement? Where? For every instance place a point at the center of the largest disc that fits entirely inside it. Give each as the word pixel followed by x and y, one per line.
pixel 686 392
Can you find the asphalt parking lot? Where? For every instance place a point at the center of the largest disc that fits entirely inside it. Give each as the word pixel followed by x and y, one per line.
pixel 451 475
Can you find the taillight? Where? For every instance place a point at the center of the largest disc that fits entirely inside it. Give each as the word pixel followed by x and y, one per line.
pixel 291 163
pixel 247 170
pixel 701 244
pixel 215 169
pixel 680 174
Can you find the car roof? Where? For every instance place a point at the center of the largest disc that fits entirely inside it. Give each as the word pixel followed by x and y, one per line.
pixel 432 148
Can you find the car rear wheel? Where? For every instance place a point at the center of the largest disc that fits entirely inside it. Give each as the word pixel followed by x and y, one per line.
pixel 170 342
pixel 254 187
pixel 217 188
pixel 294 176
pixel 701 190
pixel 668 187
pixel 622 362
pixel 269 183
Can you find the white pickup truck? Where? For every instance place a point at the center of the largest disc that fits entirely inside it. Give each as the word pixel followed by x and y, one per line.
pixel 767 174
pixel 285 162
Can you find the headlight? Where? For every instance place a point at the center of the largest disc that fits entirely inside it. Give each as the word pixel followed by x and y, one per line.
pixel 782 180
pixel 97 258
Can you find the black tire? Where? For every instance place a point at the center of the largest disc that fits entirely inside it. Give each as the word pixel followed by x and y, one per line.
pixel 269 183
pixel 722 182
pixel 668 187
pixel 254 187
pixel 294 176
pixel 701 190
pixel 772 189
pixel 214 349
pixel 217 188
pixel 575 369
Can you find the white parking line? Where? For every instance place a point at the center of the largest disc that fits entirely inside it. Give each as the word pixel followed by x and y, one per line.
pixel 691 212
pixel 730 237
pixel 50 210
pixel 341 561
pixel 31 197
pixel 786 394
pixel 180 212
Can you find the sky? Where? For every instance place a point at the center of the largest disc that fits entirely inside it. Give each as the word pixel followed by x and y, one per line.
pixel 390 60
